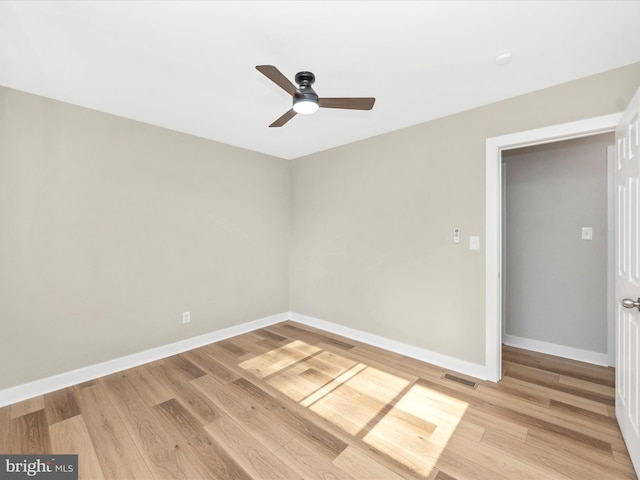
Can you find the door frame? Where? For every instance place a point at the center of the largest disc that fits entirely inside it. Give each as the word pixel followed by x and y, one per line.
pixel 493 242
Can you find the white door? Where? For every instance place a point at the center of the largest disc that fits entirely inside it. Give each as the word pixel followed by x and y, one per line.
pixel 627 289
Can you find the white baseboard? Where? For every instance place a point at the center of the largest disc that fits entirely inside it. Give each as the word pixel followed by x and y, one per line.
pixel 444 361
pixel 67 379
pixel 74 377
pixel 557 350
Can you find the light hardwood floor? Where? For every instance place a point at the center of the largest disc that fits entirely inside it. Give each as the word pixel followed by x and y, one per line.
pixel 291 402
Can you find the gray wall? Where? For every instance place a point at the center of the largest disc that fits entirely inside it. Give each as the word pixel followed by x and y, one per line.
pixel 110 229
pixel 555 282
pixel 372 221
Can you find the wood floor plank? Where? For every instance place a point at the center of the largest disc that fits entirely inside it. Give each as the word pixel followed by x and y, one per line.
pixel 314 336
pixel 210 365
pixel 340 411
pixel 5 428
pixel 383 385
pixel 330 363
pixel 60 405
pixel 337 429
pixel 421 462
pixel 622 460
pixel 251 415
pixel 534 415
pixel 177 377
pixel 594 463
pixel 535 397
pixel 532 464
pixel 524 419
pixel 579 370
pixel 605 390
pixel 358 412
pixel 394 363
pixel 232 348
pixel 247 450
pixel 186 368
pixel 165 458
pixel 232 364
pixel 148 387
pixel 117 453
pixel 280 358
pixel 29 434
pixel 215 458
pixel 27 406
pixel 318 438
pixel 583 413
pixel 296 382
pixel 135 470
pixel 531 411
pixel 552 381
pixel 309 463
pixel 70 436
pixel 501 461
pixel 443 476
pixel 462 468
pixel 266 333
pixel 356 463
pixel 250 344
pixel 551 394
pixel 326 384
pixel 504 427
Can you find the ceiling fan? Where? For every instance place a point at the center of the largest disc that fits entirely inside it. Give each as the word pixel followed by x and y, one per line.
pixel 305 99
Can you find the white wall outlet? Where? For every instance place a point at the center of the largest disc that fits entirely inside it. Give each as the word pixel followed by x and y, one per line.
pixel 587 233
pixel 456 235
pixel 474 242
pixel 186 317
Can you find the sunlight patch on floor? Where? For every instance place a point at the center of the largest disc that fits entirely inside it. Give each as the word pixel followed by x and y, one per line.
pixel 280 358
pixel 391 414
pixel 403 426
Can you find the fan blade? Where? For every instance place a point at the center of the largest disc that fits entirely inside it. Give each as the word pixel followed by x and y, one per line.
pixel 351 103
pixel 273 74
pixel 284 118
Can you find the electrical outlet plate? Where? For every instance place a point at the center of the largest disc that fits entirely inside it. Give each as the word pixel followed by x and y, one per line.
pixel 186 317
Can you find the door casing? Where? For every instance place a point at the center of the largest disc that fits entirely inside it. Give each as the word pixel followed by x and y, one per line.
pixel 493 242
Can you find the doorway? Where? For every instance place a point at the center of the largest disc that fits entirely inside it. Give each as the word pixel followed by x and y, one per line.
pixel 494 148
pixel 555 239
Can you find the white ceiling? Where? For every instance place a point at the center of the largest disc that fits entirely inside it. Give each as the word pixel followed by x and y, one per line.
pixel 190 66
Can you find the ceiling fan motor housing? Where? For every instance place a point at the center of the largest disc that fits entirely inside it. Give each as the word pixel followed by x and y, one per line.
pixel 305 93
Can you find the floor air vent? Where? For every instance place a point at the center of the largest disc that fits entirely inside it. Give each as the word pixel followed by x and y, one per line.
pixel 463 381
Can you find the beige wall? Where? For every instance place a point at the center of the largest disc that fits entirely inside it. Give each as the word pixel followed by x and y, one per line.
pixel 372 221
pixel 110 229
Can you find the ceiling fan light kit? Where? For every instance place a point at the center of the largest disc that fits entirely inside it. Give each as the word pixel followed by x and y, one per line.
pixel 305 105
pixel 305 99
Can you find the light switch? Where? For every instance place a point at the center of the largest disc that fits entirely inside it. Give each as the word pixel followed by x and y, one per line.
pixel 587 233
pixel 474 242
